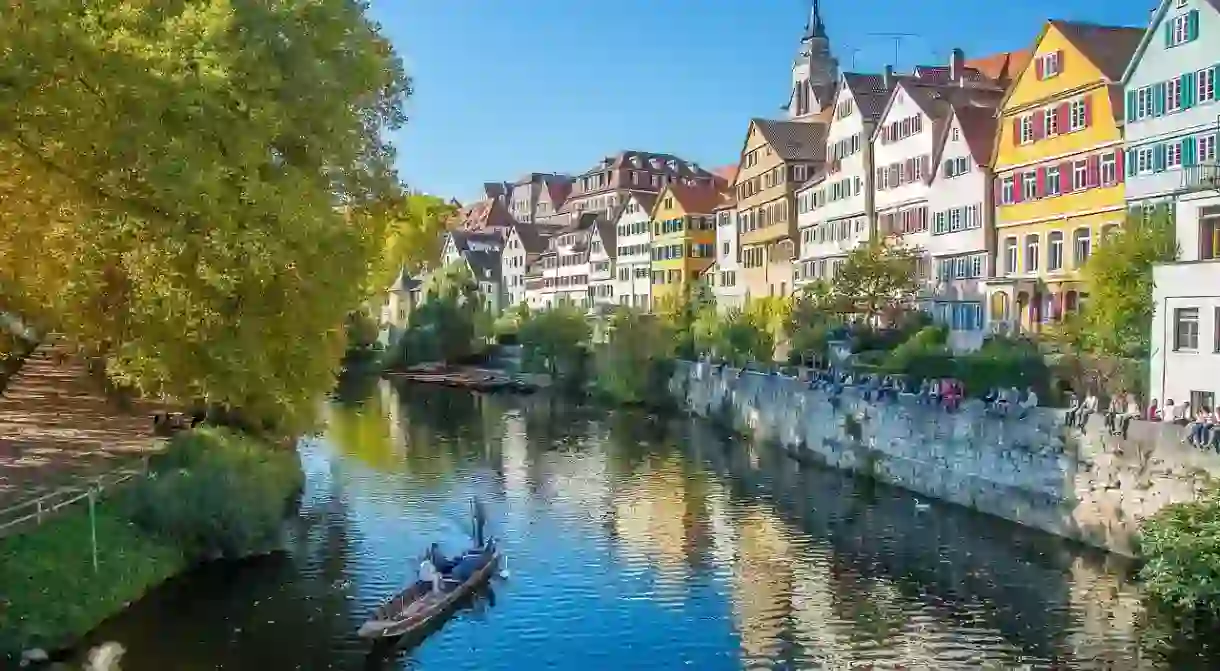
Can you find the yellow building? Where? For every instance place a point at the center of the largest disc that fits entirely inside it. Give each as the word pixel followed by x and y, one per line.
pixel 777 156
pixel 1059 170
pixel 683 236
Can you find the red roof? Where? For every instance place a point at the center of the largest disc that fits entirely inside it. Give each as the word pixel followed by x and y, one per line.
pixel 696 199
pixel 1002 67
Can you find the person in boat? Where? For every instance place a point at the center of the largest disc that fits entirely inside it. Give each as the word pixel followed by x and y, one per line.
pixel 480 518
pixel 439 560
pixel 429 574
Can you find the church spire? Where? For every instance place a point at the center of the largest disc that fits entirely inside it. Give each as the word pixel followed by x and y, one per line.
pixel 814 27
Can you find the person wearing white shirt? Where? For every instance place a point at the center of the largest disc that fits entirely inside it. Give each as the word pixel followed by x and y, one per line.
pixel 428 573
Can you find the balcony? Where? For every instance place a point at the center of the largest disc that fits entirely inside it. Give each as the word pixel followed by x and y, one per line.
pixel 1204 177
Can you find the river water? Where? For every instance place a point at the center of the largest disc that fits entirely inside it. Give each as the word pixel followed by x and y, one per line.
pixel 636 542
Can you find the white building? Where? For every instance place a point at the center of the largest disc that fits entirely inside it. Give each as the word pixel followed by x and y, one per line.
pixel 570 269
pixel 524 244
pixel 961 206
pixel 1172 96
pixel 933 187
pixel 602 253
pixel 633 262
pixel 725 280
pixel 835 210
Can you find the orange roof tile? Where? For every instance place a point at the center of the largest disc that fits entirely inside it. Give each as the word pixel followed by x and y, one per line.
pixel 696 199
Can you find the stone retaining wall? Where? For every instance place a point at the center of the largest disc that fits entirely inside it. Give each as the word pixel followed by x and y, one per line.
pixel 1091 487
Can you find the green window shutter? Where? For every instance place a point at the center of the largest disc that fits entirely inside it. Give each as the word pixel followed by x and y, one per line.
pixel 1158 99
pixel 1158 157
pixel 1168 34
pixel 1130 115
pixel 1188 151
pixel 1215 83
pixel 1192 25
pixel 1188 90
pixel 1130 161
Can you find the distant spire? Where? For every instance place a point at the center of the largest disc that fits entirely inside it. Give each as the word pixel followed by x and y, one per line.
pixel 815 28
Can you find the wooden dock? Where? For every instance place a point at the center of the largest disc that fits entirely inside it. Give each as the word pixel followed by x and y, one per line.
pixel 477 379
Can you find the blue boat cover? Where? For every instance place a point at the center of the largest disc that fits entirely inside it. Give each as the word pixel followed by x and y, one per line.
pixel 467 567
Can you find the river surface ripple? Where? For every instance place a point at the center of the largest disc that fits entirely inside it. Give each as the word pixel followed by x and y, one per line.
pixel 637 542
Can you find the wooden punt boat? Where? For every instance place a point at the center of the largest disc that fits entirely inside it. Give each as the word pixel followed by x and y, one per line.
pixel 417 606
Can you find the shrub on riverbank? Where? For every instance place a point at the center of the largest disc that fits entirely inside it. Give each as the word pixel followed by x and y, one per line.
pixel 636 361
pixel 214 493
pixel 1181 546
pixel 49 593
pixel 217 493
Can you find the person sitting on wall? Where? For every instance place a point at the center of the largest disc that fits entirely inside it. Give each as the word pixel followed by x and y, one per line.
pixel 1029 403
pixel 1154 412
pixel 1197 431
pixel 1114 410
pixel 1086 410
pixel 1181 414
pixel 1131 412
pixel 990 398
pixel 1073 409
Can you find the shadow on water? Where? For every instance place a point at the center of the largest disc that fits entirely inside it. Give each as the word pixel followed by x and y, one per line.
pixel 639 541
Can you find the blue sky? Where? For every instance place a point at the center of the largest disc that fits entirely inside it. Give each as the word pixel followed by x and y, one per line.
pixel 506 87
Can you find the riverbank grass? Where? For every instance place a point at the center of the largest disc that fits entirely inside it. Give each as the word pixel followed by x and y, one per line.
pixel 214 494
pixel 49 593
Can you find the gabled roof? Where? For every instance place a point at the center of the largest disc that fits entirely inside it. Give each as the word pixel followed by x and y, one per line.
pixel 606 231
pixel 694 199
pixel 937 100
pixel 558 188
pixel 978 125
pixel 793 140
pixel 1109 48
pixel 869 91
pixel 487 214
pixel 404 283
pixel 533 241
pixel 1149 33
pixel 726 174
pixel 1002 67
pixel 646 199
pixel 484 265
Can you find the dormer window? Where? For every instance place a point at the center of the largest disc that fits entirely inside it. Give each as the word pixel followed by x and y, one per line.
pixel 1049 65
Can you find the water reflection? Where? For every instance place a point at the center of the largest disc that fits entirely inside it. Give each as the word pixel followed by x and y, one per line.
pixel 636 542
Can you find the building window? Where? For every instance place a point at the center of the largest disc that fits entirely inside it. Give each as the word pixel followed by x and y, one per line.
pixel 1050 64
pixel 1083 245
pixel 1032 251
pixel 1050 123
pixel 1143 103
pixel 1010 256
pixel 1007 190
pixel 1052 181
pixel 1205 85
pixel 1143 161
pixel 1054 260
pixel 1186 329
pixel 1173 95
pixel 1080 175
pixel 1077 116
pixel 1109 168
pixel 1029 186
pixel 1173 155
pixel 1205 149
pixel 1179 32
pixel 1027 129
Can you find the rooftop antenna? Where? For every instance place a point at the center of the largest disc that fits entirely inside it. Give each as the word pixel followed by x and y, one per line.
pixel 854 51
pixel 897 37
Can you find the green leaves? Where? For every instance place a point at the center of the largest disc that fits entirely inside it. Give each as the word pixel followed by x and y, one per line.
pixel 190 189
pixel 1118 315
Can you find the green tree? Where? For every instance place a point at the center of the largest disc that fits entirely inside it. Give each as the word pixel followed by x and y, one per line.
pixel 636 361
pixel 187 188
pixel 875 282
pixel 554 340
pixel 1118 315
pixel 681 311
pixel 415 234
pixel 744 336
pixel 810 322
pixel 444 327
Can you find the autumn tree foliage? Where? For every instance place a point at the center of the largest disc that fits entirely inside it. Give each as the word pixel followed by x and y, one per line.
pixel 193 190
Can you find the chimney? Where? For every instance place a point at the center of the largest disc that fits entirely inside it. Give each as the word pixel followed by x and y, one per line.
pixel 957 66
pixel 887 79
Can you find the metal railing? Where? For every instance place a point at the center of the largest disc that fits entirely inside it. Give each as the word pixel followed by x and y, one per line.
pixel 29 513
pixel 1203 177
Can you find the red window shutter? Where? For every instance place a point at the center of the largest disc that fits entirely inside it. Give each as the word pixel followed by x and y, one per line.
pixel 1039 124
pixel 1059 56
pixel 1065 177
pixel 1119 171
pixel 1092 171
pixel 1062 116
pixel 1016 130
pixel 1040 183
pixel 1018 181
pixel 1088 110
pixel 999 190
pixel 1038 66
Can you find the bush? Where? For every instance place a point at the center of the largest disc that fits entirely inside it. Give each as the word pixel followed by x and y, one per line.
pixel 1003 363
pixel 555 341
pixel 1181 545
pixel 217 494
